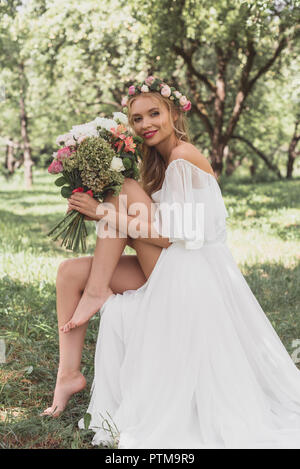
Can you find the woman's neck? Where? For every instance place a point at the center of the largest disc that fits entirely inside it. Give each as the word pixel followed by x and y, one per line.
pixel 166 147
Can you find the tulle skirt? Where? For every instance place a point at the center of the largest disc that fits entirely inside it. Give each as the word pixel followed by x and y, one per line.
pixel 190 360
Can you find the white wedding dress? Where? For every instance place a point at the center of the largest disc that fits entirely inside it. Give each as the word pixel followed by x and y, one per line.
pixel 190 360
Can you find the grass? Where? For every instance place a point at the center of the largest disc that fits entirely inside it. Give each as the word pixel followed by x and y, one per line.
pixel 263 235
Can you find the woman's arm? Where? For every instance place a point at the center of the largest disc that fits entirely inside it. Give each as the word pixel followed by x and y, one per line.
pixel 118 221
pixel 134 227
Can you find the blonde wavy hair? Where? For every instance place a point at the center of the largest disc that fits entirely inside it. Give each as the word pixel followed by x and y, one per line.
pixel 152 167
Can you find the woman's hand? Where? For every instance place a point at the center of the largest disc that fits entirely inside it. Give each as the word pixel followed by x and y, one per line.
pixel 84 204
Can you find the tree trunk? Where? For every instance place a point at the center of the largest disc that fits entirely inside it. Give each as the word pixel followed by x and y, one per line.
pixel 10 158
pixel 253 169
pixel 24 132
pixel 217 154
pixel 292 154
pixel 231 162
pixel 11 163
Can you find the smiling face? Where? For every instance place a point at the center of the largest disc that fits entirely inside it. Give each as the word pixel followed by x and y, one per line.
pixel 149 114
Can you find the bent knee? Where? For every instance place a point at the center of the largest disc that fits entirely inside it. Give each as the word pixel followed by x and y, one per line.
pixel 130 184
pixel 65 269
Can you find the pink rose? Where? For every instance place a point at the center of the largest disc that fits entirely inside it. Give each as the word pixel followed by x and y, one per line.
pixel 124 101
pixel 64 153
pixel 55 167
pixel 149 80
pixel 165 91
pixel 183 100
pixel 187 106
pixel 131 90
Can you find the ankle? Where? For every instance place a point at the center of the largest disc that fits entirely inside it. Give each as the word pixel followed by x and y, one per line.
pixel 68 374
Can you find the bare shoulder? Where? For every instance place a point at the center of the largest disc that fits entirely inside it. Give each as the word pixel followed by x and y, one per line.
pixel 189 152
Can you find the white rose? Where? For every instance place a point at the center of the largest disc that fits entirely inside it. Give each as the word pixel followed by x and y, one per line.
pixel 70 141
pixel 121 117
pixel 62 138
pixel 81 138
pixel 177 94
pixel 105 123
pixel 117 164
pixel 84 130
pixel 144 89
pixel 183 100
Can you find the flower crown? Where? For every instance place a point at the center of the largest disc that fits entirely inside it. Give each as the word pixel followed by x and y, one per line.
pixel 155 84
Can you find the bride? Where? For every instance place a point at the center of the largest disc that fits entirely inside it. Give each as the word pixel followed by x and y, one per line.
pixel 185 356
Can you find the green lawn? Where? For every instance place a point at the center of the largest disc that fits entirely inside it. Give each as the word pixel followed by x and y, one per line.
pixel 263 235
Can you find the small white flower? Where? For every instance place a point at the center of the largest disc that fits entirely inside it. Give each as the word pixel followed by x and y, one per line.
pixel 54 154
pixel 183 100
pixel 144 89
pixel 121 117
pixel 117 164
pixel 177 94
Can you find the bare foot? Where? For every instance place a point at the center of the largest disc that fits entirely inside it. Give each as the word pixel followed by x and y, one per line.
pixel 88 305
pixel 66 386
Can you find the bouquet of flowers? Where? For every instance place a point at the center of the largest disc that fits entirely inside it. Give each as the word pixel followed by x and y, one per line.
pixel 94 157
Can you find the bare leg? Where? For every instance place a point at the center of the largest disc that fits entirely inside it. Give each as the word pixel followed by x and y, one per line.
pixel 106 257
pixel 71 280
pixel 69 379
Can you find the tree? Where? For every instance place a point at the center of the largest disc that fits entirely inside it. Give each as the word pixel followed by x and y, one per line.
pixel 64 63
pixel 267 129
pixel 13 32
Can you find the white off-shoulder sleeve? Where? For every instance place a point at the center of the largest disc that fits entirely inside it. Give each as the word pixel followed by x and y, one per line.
pixel 189 206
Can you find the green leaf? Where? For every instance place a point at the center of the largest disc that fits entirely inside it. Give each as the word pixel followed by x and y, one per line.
pixel 127 163
pixel 66 191
pixel 138 139
pixel 126 155
pixel 60 181
pixel 87 420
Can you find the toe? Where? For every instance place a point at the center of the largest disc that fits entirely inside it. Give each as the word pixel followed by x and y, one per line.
pixel 56 413
pixel 66 327
pixel 47 411
pixel 72 325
